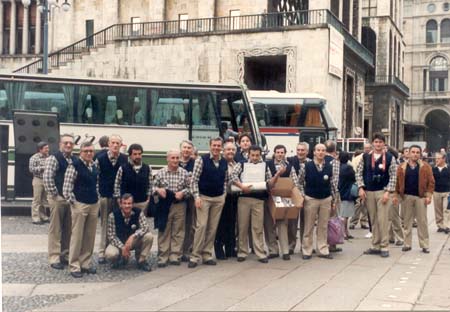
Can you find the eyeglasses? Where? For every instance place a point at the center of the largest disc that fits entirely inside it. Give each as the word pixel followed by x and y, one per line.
pixel 67 143
pixel 88 151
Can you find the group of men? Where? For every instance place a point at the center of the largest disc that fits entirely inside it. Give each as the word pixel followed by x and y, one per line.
pixel 215 206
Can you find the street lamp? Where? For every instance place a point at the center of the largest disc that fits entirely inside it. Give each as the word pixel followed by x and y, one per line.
pixel 44 7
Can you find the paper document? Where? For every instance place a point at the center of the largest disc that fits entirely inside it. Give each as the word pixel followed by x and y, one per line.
pixel 254 175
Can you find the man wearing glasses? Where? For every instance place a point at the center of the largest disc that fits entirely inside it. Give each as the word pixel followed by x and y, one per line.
pixel 81 191
pixel 60 219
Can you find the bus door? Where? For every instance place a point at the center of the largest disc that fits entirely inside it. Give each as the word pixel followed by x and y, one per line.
pixel 312 137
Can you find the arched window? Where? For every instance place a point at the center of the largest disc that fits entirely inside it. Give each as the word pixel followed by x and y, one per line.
pixel 445 30
pixel 431 31
pixel 438 74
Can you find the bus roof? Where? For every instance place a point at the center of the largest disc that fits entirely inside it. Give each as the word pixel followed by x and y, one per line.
pixel 275 94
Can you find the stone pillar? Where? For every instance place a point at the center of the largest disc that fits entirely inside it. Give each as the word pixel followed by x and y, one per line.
pixel 12 27
pixel 1 27
pixel 25 30
pixel 37 37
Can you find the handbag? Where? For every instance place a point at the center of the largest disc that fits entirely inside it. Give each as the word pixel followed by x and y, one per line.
pixel 335 233
pixel 354 191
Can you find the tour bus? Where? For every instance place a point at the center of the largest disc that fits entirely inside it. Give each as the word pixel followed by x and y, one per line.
pixel 289 118
pixel 156 115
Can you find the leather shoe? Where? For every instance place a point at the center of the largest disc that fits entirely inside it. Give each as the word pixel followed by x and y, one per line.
pixel 405 248
pixel 91 270
pixel 263 260
pixel 162 265
pixel 391 241
pixel 399 243
pixel 240 259
pixel 57 266
pixel 307 257
pixel 384 253
pixel 272 256
pixel 439 230
pixel 425 250
pixel 101 260
pixel 326 256
pixel 192 265
pixel 351 227
pixel 184 258
pixel 337 249
pixel 210 262
pixel 174 262
pixel 144 266
pixel 446 230
pixel 286 257
pixel 372 251
pixel 76 274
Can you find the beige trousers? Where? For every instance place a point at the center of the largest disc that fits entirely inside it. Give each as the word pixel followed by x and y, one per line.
pixel 142 247
pixel 84 224
pixel 189 226
pixel 208 216
pixel 316 208
pixel 361 214
pixel 38 212
pixel 251 213
pixel 142 205
pixel 395 225
pixel 292 232
pixel 441 213
pixel 170 242
pixel 106 205
pixel 379 217
pixel 59 229
pixel 415 209
pixel 270 232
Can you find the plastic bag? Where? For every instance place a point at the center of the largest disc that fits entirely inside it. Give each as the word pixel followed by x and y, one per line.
pixel 335 231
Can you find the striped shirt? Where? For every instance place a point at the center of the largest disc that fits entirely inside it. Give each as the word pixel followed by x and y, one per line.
pixel 175 181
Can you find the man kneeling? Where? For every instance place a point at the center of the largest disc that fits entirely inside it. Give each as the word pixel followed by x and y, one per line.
pixel 128 230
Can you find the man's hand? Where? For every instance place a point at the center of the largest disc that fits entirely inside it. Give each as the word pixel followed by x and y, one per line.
pixel 333 209
pixel 179 195
pixel 385 198
pixel 161 192
pixel 362 194
pixel 198 203
pixel 246 189
pixel 395 200
pixel 427 201
pixel 281 171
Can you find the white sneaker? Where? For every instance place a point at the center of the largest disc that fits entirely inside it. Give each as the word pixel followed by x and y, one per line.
pixel 369 235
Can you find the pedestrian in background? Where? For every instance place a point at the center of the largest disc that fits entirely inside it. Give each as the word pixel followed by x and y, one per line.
pixel 346 181
pixel 37 167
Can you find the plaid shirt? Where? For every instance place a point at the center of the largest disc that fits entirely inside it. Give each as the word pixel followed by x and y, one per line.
pixel 70 178
pixel 51 167
pixel 136 168
pixel 390 187
pixel 175 181
pixel 334 179
pixel 197 172
pixel 111 231
pixel 37 165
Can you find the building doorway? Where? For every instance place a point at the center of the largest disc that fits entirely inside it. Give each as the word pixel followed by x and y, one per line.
pixel 437 132
pixel 265 72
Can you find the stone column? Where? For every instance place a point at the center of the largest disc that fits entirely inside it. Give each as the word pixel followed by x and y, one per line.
pixel 1 27
pixel 25 30
pixel 12 27
pixel 37 37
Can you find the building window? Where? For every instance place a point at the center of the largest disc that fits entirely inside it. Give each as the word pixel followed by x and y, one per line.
pixel 438 74
pixel 431 8
pixel 431 31
pixel 234 15
pixel 445 30
pixel 135 21
pixel 182 18
pixel 334 7
pixel 89 33
pixel 446 6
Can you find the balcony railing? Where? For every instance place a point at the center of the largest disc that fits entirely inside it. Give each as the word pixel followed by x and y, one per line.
pixel 432 95
pixel 387 80
pixel 203 26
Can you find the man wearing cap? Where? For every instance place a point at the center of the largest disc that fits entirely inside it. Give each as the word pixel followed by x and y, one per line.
pixel 37 166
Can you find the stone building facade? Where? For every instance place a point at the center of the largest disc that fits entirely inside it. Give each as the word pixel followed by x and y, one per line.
pixel 427 65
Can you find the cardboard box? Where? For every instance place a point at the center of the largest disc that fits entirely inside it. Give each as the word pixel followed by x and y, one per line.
pixel 285 200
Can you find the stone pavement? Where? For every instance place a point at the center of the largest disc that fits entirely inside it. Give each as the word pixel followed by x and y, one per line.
pixel 351 281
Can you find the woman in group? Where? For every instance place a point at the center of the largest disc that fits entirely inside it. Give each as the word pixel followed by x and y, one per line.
pixel 245 141
pixel 346 180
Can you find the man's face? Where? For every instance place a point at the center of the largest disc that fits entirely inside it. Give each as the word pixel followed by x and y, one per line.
pixel 245 143
pixel 378 145
pixel 302 152
pixel 440 160
pixel 114 145
pixel 229 151
pixel 126 205
pixel 173 160
pixel 319 152
pixel 136 156
pixel 87 153
pixel 186 150
pixel 45 150
pixel 367 148
pixel 216 148
pixel 414 154
pixel 279 154
pixel 254 156
pixel 66 145
pixel 406 153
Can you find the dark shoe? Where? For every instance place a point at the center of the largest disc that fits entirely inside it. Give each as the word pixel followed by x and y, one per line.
pixel 306 257
pixel 37 222
pixel 405 248
pixel 76 274
pixel 162 265
pixel 372 251
pixel 286 257
pixel 210 262
pixel 91 270
pixel 63 261
pixel 45 221
pixel 272 256
pixel 184 258
pixel 291 251
pixel 329 256
pixel 57 266
pixel 399 243
pixel 351 227
pixel 263 260
pixel 144 266
pixel 240 259
pixel 101 260
pixel 391 241
pixel 425 250
pixel 192 265
pixel 350 236
pixel 446 230
pixel 364 227
pixel 439 230
pixel 384 253
pixel 337 249
pixel 175 262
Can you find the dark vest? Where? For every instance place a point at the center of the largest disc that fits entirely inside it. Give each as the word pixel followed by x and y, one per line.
pixel 62 167
pixel 135 183
pixel 189 166
pixel 85 188
pixel 295 163
pixel 442 179
pixel 259 195
pixel 123 230
pixel 108 173
pixel 273 169
pixel 316 185
pixel 376 179
pixel 212 179
pixel 412 181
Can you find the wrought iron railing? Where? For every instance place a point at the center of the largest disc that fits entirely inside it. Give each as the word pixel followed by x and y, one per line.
pixel 202 26
pixel 384 80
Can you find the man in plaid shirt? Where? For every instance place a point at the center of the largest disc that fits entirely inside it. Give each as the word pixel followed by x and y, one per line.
pixel 174 179
pixel 37 166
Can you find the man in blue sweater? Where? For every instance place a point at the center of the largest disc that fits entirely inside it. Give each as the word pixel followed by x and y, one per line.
pixel 441 174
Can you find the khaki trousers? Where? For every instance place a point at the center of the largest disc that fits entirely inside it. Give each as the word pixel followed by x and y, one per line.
pixel 361 214
pixel 415 209
pixel 316 208
pixel 251 213
pixel 106 205
pixel 189 226
pixel 59 230
pixel 270 232
pixel 441 213
pixel 292 233
pixel 84 224
pixel 143 206
pixel 170 242
pixel 208 216
pixel 38 212
pixel 395 225
pixel 282 231
pixel 379 217
pixel 142 247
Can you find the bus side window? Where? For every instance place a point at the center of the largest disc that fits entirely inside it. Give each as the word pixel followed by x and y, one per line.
pixel 204 110
pixel 168 108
